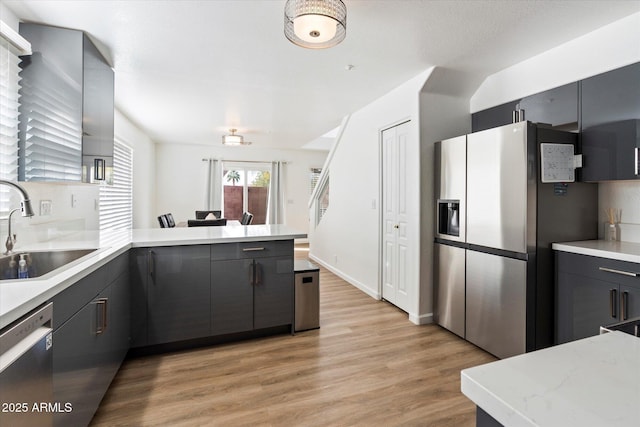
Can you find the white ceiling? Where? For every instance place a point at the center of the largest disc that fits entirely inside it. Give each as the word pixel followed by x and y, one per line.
pixel 187 71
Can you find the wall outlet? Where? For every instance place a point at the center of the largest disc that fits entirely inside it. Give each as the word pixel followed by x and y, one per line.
pixel 335 259
pixel 45 207
pixel 74 200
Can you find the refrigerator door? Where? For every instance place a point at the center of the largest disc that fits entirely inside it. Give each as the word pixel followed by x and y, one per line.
pixel 496 303
pixel 497 179
pixel 451 183
pixel 449 288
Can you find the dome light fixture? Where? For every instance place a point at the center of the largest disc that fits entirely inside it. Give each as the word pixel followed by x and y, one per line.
pixel 233 139
pixel 315 24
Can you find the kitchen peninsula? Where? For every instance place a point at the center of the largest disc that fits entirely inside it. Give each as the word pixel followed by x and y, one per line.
pixel 19 297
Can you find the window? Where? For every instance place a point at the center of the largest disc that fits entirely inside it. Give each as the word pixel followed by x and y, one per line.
pixel 246 189
pixel 116 201
pixel 11 45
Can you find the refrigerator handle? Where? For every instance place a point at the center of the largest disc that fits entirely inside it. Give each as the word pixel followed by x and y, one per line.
pixel 613 293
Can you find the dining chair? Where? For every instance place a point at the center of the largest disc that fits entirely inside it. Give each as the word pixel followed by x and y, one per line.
pixel 206 222
pixel 170 221
pixel 162 220
pixel 246 218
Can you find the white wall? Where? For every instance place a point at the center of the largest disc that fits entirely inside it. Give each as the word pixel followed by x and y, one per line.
pixel 181 177
pixel 347 238
pixel 605 49
pixel 144 170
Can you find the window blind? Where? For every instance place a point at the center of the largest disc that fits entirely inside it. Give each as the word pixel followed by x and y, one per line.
pixel 314 176
pixel 11 45
pixel 116 201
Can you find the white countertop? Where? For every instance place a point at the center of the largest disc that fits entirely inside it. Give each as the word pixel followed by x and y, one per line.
pixel 622 251
pixel 593 382
pixel 18 297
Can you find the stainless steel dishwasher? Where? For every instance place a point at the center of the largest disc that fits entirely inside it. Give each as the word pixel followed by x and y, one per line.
pixel 26 370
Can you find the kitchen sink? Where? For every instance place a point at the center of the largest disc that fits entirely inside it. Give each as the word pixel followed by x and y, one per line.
pixel 39 262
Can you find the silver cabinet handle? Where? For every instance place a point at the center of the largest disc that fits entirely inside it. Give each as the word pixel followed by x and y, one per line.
pixel 612 302
pixel 625 305
pixel 637 162
pixel 624 273
pixel 101 315
pixel 252 249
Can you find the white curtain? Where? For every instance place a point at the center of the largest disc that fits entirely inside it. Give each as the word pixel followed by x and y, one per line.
pixel 275 203
pixel 213 195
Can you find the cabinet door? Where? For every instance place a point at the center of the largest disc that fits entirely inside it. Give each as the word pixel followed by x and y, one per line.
pixel 81 363
pixel 611 124
pixel 493 117
pixel 584 304
pixel 629 302
pixel 557 107
pixel 273 292
pixel 178 294
pixel 231 296
pixel 119 322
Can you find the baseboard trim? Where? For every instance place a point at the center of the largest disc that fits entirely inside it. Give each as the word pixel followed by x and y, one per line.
pixel 347 278
pixel 423 319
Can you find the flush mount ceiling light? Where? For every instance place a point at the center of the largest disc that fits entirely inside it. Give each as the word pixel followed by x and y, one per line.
pixel 315 24
pixel 233 139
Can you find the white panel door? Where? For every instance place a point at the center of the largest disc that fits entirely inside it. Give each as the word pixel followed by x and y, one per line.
pixel 396 252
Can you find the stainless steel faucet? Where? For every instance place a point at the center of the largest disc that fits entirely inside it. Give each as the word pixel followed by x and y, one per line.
pixel 25 208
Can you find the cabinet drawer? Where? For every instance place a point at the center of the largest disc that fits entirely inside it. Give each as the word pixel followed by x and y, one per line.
pixel 71 300
pixel 245 250
pixel 609 270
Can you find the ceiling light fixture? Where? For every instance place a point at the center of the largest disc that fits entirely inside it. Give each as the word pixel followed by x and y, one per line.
pixel 315 24
pixel 233 139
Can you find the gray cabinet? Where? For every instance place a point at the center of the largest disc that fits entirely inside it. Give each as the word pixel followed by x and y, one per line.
pixel 251 286
pixel 557 107
pixel 67 108
pixel 593 292
pixel 91 342
pixel 171 294
pixel 611 125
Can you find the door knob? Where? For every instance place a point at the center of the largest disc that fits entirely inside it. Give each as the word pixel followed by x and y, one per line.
pixel 396 226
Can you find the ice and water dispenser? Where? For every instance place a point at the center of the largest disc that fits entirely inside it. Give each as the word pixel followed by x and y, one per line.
pixel 449 217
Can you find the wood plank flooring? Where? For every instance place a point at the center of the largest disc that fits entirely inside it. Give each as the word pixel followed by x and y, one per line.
pixel 367 365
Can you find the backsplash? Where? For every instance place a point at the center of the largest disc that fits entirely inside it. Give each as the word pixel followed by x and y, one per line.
pixel 74 207
pixel 624 195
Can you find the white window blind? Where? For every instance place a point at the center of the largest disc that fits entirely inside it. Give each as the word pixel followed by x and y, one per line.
pixel 11 45
pixel 116 201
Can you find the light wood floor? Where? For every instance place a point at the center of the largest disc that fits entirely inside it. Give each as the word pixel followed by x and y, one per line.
pixel 367 365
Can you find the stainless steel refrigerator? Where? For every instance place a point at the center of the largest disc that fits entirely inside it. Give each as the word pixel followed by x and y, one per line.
pixel 496 220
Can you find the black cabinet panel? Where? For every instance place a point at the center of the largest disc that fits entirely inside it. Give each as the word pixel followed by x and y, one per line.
pixel 89 348
pixel 178 294
pixel 611 125
pixel 139 274
pixel 593 292
pixel 493 117
pixel 557 107
pixel 273 292
pixel 231 296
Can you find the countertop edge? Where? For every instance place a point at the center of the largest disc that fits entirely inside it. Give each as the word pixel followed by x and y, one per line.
pixel 621 251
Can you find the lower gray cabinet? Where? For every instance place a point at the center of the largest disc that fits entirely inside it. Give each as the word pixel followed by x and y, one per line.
pixel 89 347
pixel 593 292
pixel 251 286
pixel 170 294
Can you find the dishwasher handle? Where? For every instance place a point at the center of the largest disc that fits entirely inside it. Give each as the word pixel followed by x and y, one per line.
pixel 24 335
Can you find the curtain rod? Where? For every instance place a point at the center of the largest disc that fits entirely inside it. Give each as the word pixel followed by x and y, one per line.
pixel 247 161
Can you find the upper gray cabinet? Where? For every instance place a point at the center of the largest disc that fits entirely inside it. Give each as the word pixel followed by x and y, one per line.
pixel 557 107
pixel 67 108
pixel 611 125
